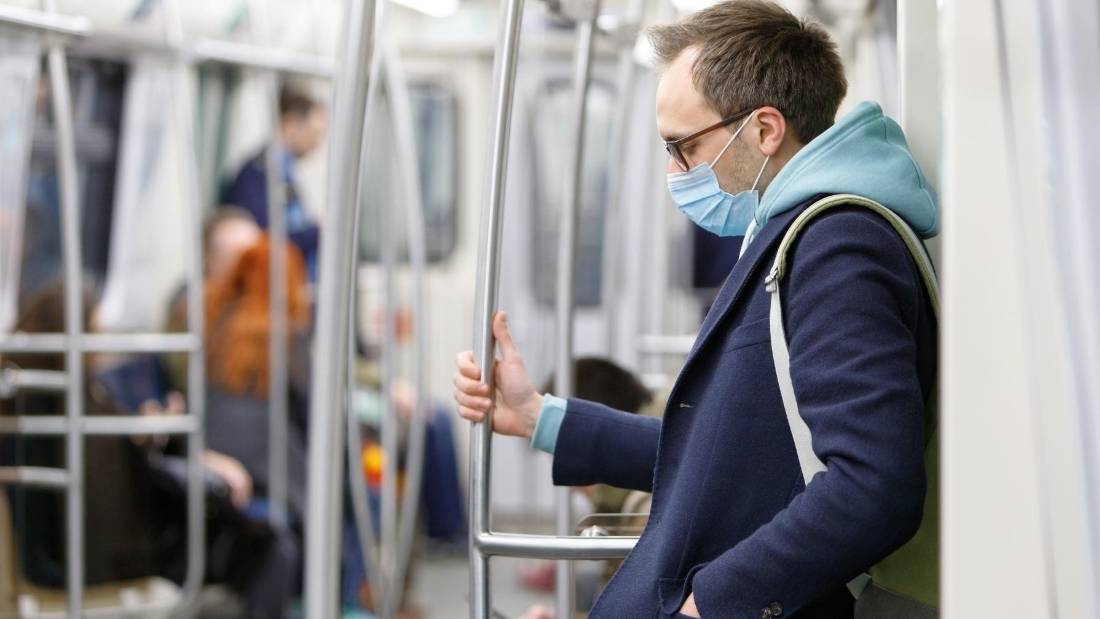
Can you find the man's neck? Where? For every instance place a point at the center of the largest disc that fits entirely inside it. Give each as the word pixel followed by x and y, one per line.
pixel 778 161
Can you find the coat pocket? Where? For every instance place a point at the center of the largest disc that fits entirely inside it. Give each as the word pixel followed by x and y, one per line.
pixel 672 592
pixel 671 596
pixel 747 334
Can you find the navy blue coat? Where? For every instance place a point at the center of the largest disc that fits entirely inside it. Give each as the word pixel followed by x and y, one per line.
pixel 249 192
pixel 732 520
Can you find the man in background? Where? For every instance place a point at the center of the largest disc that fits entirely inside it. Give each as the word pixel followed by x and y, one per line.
pixel 303 122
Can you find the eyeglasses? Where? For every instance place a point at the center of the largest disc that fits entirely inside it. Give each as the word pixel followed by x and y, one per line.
pixel 674 146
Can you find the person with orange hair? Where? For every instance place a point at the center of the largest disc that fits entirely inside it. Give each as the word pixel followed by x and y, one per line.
pixel 237 336
pixel 238 330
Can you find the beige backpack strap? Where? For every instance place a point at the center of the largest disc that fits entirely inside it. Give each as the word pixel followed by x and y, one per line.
pixel 803 441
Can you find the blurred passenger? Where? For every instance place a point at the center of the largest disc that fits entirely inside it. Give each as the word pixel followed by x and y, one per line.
pixel 226 234
pixel 124 545
pixel 238 328
pixel 303 122
pixel 603 381
pixel 441 518
pixel 134 492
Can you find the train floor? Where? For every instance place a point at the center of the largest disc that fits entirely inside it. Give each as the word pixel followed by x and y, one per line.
pixel 439 591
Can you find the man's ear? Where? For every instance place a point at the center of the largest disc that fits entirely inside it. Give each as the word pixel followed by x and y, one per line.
pixel 771 129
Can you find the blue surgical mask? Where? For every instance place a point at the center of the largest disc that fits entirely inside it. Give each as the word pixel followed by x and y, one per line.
pixel 699 196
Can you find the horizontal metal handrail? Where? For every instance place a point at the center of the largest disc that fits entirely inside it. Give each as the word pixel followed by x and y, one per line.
pixel 41 20
pixel 16 379
pixel 205 50
pixel 39 476
pixel 100 342
pixel 242 54
pixel 666 344
pixel 572 547
pixel 100 425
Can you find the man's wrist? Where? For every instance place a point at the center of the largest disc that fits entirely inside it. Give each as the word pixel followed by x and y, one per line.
pixel 548 423
pixel 531 415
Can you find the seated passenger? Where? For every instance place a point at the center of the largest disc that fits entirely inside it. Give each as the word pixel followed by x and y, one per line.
pixel 226 234
pixel 124 545
pixel 602 380
pixel 237 339
pixel 135 493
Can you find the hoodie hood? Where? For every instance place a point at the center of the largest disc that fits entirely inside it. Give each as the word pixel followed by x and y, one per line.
pixel 864 153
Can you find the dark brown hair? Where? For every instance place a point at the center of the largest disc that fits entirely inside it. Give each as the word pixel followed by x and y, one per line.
pixel 44 312
pixel 295 100
pixel 603 381
pixel 754 53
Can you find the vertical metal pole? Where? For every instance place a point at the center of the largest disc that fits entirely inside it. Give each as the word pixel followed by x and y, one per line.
pixel 620 135
pixel 196 369
pixel 488 279
pixel 337 257
pixel 360 504
pixel 364 520
pixel 277 334
pixel 370 546
pixel 567 262
pixel 68 180
pixel 277 395
pixel 391 425
pixel 405 140
pixel 652 252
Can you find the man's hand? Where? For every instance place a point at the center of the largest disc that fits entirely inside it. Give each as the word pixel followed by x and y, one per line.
pixel 689 608
pixel 515 403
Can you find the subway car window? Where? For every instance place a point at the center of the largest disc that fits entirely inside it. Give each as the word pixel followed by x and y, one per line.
pixel 435 122
pixel 97 90
pixel 549 159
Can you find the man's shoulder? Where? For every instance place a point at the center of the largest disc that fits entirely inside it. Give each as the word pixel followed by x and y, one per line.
pixel 851 234
pixel 852 245
pixel 248 183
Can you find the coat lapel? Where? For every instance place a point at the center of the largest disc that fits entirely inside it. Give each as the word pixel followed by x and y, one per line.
pixel 735 283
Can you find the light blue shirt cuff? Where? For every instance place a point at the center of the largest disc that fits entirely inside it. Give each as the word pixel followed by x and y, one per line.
pixel 552 413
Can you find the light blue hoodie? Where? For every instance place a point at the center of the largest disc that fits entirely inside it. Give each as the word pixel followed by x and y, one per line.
pixel 864 153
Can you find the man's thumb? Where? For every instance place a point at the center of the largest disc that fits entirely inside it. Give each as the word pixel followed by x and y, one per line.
pixel 503 335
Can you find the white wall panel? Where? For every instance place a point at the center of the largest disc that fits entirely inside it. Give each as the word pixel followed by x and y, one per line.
pixel 1015 534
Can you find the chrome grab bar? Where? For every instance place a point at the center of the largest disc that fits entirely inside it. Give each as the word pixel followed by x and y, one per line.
pixel 484 543
pixel 567 264
pixel 324 517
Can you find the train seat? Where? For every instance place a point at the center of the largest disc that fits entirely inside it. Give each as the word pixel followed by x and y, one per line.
pixel 151 598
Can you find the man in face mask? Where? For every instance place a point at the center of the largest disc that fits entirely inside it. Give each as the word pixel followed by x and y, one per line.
pixel 746 106
pixel 711 176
